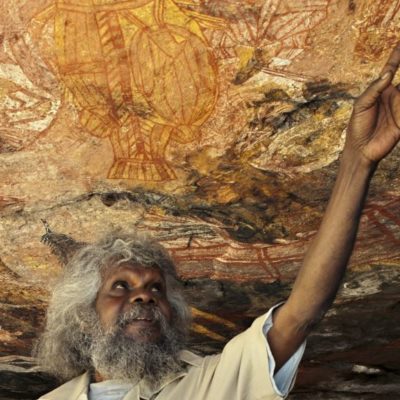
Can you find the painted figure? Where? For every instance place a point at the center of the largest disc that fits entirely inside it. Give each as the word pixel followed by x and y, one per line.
pixel 139 73
pixel 29 100
pixel 271 35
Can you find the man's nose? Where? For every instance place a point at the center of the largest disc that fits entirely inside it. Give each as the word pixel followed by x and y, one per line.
pixel 142 296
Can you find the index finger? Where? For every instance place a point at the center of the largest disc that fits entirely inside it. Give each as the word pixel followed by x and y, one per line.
pixel 393 61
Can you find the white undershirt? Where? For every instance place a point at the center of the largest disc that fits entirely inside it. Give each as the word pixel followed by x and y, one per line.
pixel 281 381
pixel 109 390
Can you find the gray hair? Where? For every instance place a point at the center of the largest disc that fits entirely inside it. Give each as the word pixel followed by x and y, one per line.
pixel 64 348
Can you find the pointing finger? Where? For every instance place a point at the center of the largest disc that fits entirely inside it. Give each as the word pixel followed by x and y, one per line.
pixel 393 62
pixel 376 88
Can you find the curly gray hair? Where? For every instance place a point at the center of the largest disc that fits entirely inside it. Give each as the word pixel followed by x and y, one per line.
pixel 64 348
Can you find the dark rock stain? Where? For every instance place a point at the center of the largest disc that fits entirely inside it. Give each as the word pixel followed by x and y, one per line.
pixel 321 96
pixel 351 6
pixel 234 216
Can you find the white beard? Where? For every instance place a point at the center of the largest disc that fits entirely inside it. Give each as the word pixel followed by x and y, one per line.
pixel 117 356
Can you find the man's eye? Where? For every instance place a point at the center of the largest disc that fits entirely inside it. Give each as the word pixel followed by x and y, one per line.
pixel 156 288
pixel 120 285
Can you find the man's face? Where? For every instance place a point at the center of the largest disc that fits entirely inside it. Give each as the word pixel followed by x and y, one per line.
pixel 138 292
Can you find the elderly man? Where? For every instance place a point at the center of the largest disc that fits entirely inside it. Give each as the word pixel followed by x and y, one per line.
pixel 116 324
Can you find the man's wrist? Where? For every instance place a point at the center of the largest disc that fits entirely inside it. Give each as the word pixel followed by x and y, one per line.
pixel 355 163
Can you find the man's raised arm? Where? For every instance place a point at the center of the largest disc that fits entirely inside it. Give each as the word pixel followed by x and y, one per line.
pixel 373 131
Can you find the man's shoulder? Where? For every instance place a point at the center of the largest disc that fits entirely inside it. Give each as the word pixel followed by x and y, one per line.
pixel 70 390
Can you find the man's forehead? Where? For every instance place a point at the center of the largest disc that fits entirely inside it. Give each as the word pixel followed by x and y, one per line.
pixel 130 266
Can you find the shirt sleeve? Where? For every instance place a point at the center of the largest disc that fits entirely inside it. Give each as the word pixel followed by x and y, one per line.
pixel 283 380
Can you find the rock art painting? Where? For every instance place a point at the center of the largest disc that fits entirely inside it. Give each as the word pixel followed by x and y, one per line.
pixel 267 35
pixel 145 74
pixel 139 73
pixel 378 30
pixel 28 106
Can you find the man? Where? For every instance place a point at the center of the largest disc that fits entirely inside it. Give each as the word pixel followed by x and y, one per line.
pixel 117 316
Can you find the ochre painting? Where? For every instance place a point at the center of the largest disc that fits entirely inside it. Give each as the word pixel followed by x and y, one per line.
pixel 145 74
pixel 378 30
pixel 139 73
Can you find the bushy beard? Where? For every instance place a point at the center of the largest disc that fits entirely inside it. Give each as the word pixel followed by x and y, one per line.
pixel 118 356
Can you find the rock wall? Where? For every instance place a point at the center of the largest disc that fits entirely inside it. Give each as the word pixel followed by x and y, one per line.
pixel 215 126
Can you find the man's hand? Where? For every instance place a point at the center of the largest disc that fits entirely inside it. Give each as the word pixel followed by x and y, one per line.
pixel 374 127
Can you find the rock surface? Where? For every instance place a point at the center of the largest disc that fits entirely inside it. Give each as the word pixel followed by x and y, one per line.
pixel 225 149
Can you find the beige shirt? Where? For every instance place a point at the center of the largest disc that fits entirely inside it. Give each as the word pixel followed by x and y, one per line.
pixel 240 372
